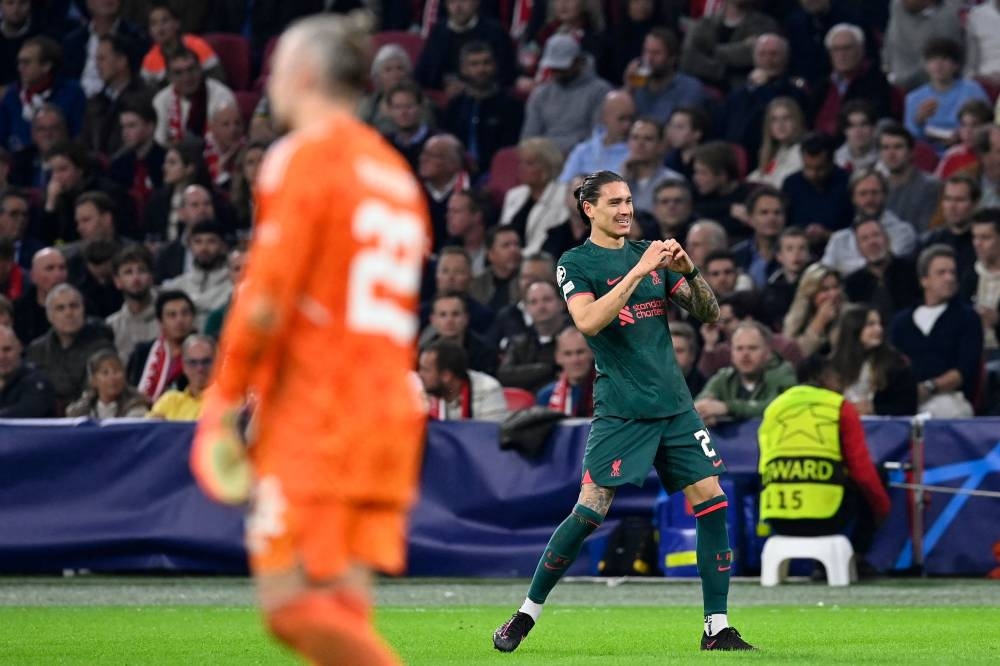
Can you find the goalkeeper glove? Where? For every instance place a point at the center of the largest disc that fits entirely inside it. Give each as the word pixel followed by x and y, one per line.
pixel 218 457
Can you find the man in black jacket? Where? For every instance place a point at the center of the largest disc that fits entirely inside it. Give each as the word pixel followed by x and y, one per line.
pixel 438 64
pixel 62 353
pixel 529 360
pixel 484 117
pixel 887 282
pixel 852 77
pixel 24 392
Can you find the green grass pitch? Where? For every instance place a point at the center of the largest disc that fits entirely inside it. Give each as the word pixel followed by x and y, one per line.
pixel 212 621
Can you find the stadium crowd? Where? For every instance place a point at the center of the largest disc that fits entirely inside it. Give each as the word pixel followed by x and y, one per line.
pixel 831 166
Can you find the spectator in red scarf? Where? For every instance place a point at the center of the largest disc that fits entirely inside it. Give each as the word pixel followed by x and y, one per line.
pixel 225 138
pixel 573 393
pixel 156 364
pixel 12 276
pixel 182 108
pixel 454 391
pixel 38 66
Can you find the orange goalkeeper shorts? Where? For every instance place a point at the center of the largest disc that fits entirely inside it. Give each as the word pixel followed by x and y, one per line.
pixel 324 536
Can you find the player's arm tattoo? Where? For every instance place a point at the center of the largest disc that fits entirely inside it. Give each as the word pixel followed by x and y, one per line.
pixel 596 498
pixel 697 297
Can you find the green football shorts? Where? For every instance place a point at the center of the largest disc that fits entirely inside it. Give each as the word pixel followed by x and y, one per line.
pixel 621 451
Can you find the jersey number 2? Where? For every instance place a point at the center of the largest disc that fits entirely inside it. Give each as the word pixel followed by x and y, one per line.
pixel 704 439
pixel 384 271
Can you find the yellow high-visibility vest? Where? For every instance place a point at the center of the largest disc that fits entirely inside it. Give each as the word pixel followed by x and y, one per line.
pixel 801 466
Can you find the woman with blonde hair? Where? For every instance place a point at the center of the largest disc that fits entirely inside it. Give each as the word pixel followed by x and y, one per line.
pixel 535 208
pixel 780 154
pixel 815 309
pixel 108 395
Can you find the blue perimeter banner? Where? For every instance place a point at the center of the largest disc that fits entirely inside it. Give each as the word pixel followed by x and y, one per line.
pixel 118 496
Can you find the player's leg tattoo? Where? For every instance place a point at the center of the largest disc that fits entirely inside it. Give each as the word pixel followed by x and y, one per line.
pixel 597 498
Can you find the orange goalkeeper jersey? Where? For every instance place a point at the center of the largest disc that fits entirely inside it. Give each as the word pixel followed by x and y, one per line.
pixel 322 330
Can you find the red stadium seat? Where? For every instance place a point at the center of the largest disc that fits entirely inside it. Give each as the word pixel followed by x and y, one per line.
pixel 925 157
pixel 437 98
pixel 990 85
pixel 411 42
pixel 503 173
pixel 36 198
pixel 741 159
pixel 897 102
pixel 265 65
pixel 247 101
pixel 234 54
pixel 518 398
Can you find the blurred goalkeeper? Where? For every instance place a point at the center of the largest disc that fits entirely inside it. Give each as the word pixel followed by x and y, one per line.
pixel 617 292
pixel 322 334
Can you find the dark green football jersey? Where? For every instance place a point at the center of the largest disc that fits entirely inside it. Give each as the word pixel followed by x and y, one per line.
pixel 637 374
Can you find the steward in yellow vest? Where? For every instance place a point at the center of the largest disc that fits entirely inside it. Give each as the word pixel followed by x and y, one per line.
pixel 814 464
pixel 801 468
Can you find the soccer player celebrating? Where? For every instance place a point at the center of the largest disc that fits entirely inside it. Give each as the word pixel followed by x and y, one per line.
pixel 616 291
pixel 322 334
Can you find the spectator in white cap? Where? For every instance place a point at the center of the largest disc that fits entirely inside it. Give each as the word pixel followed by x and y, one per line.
pixel 566 107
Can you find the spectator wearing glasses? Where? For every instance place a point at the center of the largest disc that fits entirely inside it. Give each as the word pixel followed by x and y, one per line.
pixel 184 106
pixel 852 77
pixel 198 356
pixel 165 30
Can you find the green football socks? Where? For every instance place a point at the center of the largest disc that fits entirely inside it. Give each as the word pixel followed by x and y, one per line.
pixel 715 559
pixel 562 549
